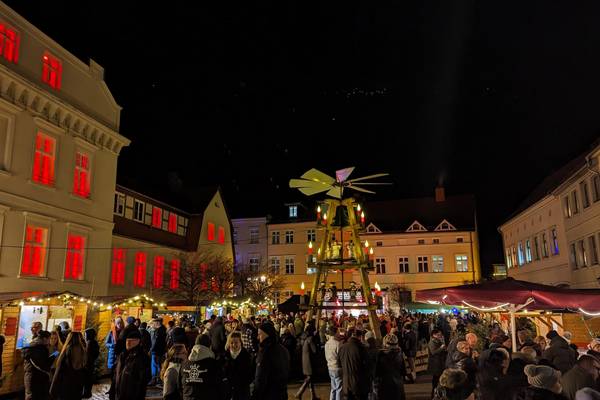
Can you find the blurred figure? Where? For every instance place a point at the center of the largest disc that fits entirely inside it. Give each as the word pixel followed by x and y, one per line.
pixel 69 378
pixel 146 338
pixel 238 368
pixel 390 371
pixel 170 373
pixel 559 354
pixel 309 354
pixel 92 354
pixel 332 349
pixel 354 361
pixel 199 373
pixel 272 366
pixel 36 366
pixel 583 374
pixel 437 357
pixel 158 349
pixel 454 385
pixel 544 384
pixel 132 371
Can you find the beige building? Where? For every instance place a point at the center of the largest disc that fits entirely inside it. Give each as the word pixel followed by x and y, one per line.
pixel 250 241
pixel 553 237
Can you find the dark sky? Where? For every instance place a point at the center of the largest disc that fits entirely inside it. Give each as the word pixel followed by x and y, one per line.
pixel 485 97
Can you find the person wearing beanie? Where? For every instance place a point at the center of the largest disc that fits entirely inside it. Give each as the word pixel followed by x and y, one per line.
pixel 559 354
pixel 332 348
pixel 389 370
pixel 453 385
pixel 544 383
pixel 133 368
pixel 272 366
pixel 587 394
pixel 200 372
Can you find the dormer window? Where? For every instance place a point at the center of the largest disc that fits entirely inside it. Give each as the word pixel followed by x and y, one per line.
pixel 445 226
pixel 293 211
pixel 9 43
pixel 416 227
pixel 51 70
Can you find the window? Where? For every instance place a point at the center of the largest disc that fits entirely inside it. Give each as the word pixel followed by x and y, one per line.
pixel 423 263
pixel 51 70
pixel 380 265
pixel 582 254
pixel 574 202
pixel 139 271
pixel 289 265
pixel 567 210
pixel 462 264
pixel 117 276
pixel 536 248
pixel 293 211
pixel 528 251
pixel 254 236
pixel 544 245
pixel 119 206
pixel 593 250
pixel 514 256
pixel 436 241
pixel 378 244
pixel 585 194
pixel 175 267
pixel 43 160
pixel 235 236
pixel 276 297
pixel 596 187
pixel 81 178
pixel 75 257
pixel 416 227
pixel 421 241
pixel 159 270
pixel 508 258
pixel 221 238
pixel 403 265
pixel 288 293
pixel 445 226
pixel 460 240
pixel 210 234
pixel 172 227
pixel 554 242
pixel 34 251
pixel 573 255
pixel 289 237
pixel 521 255
pixel 438 263
pixel 138 210
pixel 275 238
pixel 275 265
pixel 157 217
pixel 9 43
pixel 311 235
pixel 253 264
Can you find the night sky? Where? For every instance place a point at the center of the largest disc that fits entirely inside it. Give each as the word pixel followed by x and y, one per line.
pixel 483 97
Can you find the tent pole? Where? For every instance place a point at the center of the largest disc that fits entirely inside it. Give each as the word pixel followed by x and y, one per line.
pixel 513 327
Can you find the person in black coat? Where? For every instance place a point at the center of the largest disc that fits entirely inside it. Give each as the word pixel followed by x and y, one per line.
pixel 158 349
pixel 354 360
pixel 409 347
pixel 69 378
pixel 217 337
pixel 146 338
pixel 492 380
pixel 544 384
pixel 462 360
pixel 92 354
pixel 200 372
pixel 238 368
pixel 309 355
pixel 437 357
pixel 559 354
pixel 390 371
pixel 272 366
pixel 132 372
pixel 36 367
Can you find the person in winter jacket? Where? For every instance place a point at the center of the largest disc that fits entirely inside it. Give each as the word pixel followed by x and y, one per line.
pixel 199 373
pixel 583 374
pixel 463 360
pixel 272 366
pixel 238 368
pixel 492 380
pixel 218 337
pixel 91 355
pixel 437 357
pixel 544 384
pixel 36 367
pixel 64 331
pixel 171 372
pixel 132 371
pixel 146 338
pixel 390 370
pixel 110 342
pixel 309 355
pixel 409 347
pixel 69 378
pixel 298 325
pixel 332 349
pixel 354 360
pixel 559 354
pixel 454 385
pixel 158 349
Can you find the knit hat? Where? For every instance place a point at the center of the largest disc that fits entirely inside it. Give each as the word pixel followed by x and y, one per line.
pixel 133 334
pixel 130 320
pixel 453 379
pixel 587 394
pixel 541 376
pixel 552 334
pixel 268 328
pixel 390 340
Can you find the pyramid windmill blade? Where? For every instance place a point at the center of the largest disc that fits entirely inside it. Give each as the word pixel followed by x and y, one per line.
pixel 317 176
pixel 363 178
pixel 343 174
pixel 370 183
pixel 309 191
pixel 360 189
pixel 335 192
pixel 304 183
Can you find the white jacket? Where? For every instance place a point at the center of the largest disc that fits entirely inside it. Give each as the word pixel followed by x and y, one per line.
pixel 332 347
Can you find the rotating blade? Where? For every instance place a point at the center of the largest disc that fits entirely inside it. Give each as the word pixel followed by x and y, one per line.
pixel 370 183
pixel 317 176
pixel 343 174
pixel 360 189
pixel 363 178
pixel 300 183
pixel 309 191
pixel 335 192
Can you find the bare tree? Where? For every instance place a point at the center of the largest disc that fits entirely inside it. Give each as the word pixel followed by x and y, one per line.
pixel 398 295
pixel 258 282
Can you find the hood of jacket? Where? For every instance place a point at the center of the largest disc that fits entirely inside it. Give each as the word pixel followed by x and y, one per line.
pixel 200 352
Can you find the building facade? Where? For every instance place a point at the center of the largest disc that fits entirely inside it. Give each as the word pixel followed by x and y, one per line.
pixel 553 237
pixel 250 241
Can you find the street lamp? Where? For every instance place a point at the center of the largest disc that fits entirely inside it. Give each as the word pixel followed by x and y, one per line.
pixel 263 278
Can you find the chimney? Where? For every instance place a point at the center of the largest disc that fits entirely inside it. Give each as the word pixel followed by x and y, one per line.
pixel 440 194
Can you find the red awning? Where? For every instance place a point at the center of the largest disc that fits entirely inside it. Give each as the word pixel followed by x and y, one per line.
pixel 511 291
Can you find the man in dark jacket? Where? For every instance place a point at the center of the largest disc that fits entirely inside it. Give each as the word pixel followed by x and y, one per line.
pixel 462 359
pixel 217 337
pixel 146 338
pixel 437 357
pixel 451 347
pixel 583 374
pixel 36 367
pixel 159 347
pixel 120 345
pixel 409 348
pixel 92 352
pixel 559 354
pixel 199 373
pixel 272 366
pixel 133 369
pixel 354 360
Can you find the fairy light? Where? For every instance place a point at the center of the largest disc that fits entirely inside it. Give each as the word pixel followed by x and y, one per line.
pixel 591 314
pixel 484 309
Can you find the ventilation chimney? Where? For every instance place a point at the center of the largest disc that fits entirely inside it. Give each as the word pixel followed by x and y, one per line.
pixel 440 194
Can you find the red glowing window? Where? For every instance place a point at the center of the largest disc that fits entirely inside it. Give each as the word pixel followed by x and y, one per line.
pixel 159 269
pixel 81 180
pixel 139 271
pixel 75 257
pixel 43 160
pixel 9 43
pixel 51 70
pixel 118 267
pixel 175 266
pixel 211 232
pixel 156 217
pixel 203 269
pixel 173 223
pixel 34 251
pixel 221 235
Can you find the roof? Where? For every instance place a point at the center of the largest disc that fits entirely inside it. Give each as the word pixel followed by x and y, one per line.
pixel 398 215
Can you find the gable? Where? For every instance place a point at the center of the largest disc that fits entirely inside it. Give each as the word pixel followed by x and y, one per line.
pixel 416 226
pixel 371 228
pixel 445 226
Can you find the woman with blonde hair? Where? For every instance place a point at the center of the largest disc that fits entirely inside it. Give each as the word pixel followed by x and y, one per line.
pixel 238 368
pixel 56 346
pixel 69 377
pixel 170 371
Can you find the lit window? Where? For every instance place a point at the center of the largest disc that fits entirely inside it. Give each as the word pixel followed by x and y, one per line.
pixel 43 160
pixel 254 236
pixel 593 250
pixel 421 241
pixel 75 257
pixel 119 206
pixel 139 272
pixel 159 269
pixel 289 237
pixel 81 180
pixel 289 265
pixel 582 253
pixel 567 210
pixel 380 265
pixel 521 254
pixel 34 251
pixel 293 211
pixel 554 242
pixel 275 238
pixel 462 264
pixel 118 267
pixel 253 264
pixel 221 235
pixel 173 223
pixel 438 263
pixel 138 210
pixel 211 232
pixel 175 266
pixel 156 217
pixel 508 258
pixel 436 241
pixel 528 251
pixel 378 244
pixel 275 265
pixel 403 265
pixel 544 245
pixel 423 263
pixel 51 70
pixel 9 43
